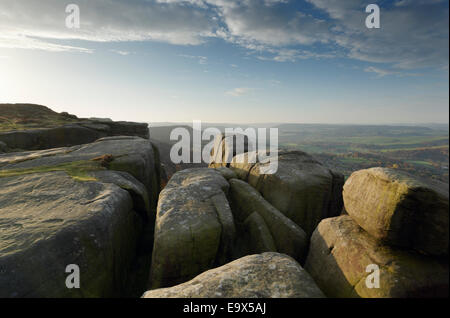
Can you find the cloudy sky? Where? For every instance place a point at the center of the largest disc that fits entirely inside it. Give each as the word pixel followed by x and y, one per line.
pixel 311 61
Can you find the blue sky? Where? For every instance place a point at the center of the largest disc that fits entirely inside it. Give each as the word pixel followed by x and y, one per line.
pixel 245 61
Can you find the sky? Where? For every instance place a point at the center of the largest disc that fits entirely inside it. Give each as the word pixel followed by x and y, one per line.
pixel 250 61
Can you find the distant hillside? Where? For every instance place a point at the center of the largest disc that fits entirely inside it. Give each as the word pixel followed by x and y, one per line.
pixel 31 116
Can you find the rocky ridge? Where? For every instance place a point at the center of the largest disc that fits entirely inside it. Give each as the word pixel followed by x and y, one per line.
pixel 224 231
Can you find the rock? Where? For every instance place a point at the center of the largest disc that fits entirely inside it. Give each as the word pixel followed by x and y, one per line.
pixel 226 220
pixel 259 235
pixel 131 154
pixel 3 147
pixel 34 139
pixel 188 231
pixel 289 238
pixel 61 207
pixel 67 135
pixel 228 146
pixel 340 252
pixel 49 220
pixel 226 173
pixel 399 209
pixel 268 275
pixel 302 189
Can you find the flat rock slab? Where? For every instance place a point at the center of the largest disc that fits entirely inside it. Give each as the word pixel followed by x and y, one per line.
pixel 134 155
pixel 188 229
pixel 49 220
pixel 341 252
pixel 75 133
pixel 267 275
pixel 399 209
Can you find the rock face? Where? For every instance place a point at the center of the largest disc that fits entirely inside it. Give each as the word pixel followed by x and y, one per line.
pixel 227 147
pixel 85 205
pixel 256 276
pixel 259 235
pixel 76 133
pixel 400 210
pixel 287 236
pixel 193 226
pixel 302 189
pixel 340 252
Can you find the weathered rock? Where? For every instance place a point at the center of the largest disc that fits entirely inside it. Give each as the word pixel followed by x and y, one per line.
pixel 259 236
pixel 188 230
pixel 71 134
pixel 340 252
pixel 84 205
pixel 289 238
pixel 49 220
pixel 228 146
pixel 256 276
pixel 3 147
pixel 302 189
pixel 130 154
pixel 226 173
pixel 399 209
pixel 226 220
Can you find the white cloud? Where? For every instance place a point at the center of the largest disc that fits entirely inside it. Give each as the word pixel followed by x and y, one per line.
pixel 203 60
pixel 123 53
pixel 378 71
pixel 239 91
pixel 33 24
pixel 413 34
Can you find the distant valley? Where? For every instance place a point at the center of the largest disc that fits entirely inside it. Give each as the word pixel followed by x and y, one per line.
pixel 420 150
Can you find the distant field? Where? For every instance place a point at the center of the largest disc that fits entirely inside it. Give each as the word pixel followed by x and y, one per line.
pixel 421 151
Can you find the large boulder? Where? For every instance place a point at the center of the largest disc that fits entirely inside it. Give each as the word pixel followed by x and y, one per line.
pixel 288 237
pixel 227 146
pixel 268 275
pixel 399 209
pixel 301 188
pixel 193 226
pixel 134 155
pixel 342 256
pixel 258 235
pixel 86 205
pixel 50 220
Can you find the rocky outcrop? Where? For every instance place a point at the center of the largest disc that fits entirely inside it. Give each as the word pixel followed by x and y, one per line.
pixel 287 236
pixel 400 210
pixel 302 189
pixel 268 275
pixel 340 253
pixel 70 134
pixel 259 237
pixel 389 215
pixel 87 205
pixel 193 227
pixel 226 147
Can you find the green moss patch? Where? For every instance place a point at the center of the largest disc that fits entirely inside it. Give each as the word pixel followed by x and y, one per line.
pixel 78 170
